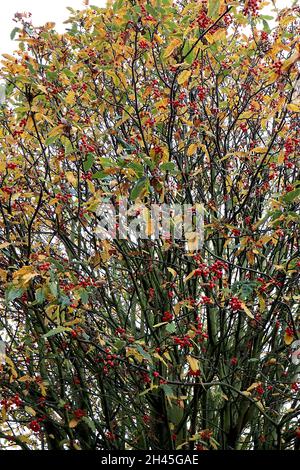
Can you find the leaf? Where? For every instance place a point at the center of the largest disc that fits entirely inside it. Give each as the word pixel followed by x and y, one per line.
pixel 39 296
pixel 14 32
pixel 184 76
pixel 171 47
pixel 51 139
pixel 138 188
pixel 168 166
pixel 70 98
pixel 192 150
pixel 167 389
pixel 171 327
pixel 214 8
pixel 132 352
pixel 193 363
pixel 73 423
pixel 172 271
pixel 288 339
pixel 88 163
pixel 291 195
pixel 30 410
pixel 293 107
pixel 189 276
pixel 247 311
pixel 253 386
pixel 13 293
pixel 56 331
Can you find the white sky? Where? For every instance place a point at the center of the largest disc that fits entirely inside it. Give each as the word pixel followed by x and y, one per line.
pixel 54 10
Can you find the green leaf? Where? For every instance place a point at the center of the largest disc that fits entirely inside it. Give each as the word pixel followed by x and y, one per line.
pixel 143 353
pixel 139 186
pixel 100 175
pixel 56 331
pixel 39 296
pixel 13 33
pixel 53 288
pixel 138 168
pixel 292 195
pixel 171 327
pixel 168 166
pixel 50 140
pixel 13 293
pixel 167 389
pixel 213 8
pixel 84 296
pixel 88 163
pixel 67 145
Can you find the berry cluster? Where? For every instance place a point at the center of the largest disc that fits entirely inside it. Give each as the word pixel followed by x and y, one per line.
pixel 235 304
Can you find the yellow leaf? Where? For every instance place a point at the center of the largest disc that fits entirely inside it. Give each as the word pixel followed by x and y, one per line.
pixel 253 386
pixel 71 178
pixel 171 47
pixel 184 76
pixel 73 423
pixel 189 276
pixel 177 308
pixel 193 363
pixel 259 149
pixel 172 271
pixel 293 107
pixel 30 410
pixel 288 339
pixel 191 150
pixel 247 311
pixel 134 352
pixel 4 245
pixel 70 98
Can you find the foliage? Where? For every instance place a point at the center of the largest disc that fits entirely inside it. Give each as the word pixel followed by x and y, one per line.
pixel 142 344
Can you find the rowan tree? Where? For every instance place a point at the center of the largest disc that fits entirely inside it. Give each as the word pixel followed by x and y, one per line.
pixel 149 343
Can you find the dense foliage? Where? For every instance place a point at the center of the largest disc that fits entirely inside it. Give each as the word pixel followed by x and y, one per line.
pixel 147 343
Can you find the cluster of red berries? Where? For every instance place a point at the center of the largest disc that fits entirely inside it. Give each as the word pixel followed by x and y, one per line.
pixel 11 166
pixel 205 300
pixel 15 400
pixel 234 361
pixel 143 44
pixel 260 390
pixel 7 190
pixel 84 146
pixel 201 92
pixel 251 8
pixel 87 176
pixel 203 20
pixel 264 36
pixel 201 335
pixel 34 425
pixel 79 413
pixel 63 197
pixel 235 304
pixel 167 317
pixel 109 361
pixel 184 341
pixel 243 127
pixel 277 66
pixel 44 266
pixel 289 146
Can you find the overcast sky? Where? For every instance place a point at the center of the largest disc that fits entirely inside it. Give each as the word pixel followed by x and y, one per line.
pixel 53 10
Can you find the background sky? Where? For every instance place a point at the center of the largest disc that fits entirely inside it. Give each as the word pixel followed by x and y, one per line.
pixel 54 10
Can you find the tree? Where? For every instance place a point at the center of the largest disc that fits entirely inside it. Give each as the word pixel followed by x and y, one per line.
pixel 153 343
